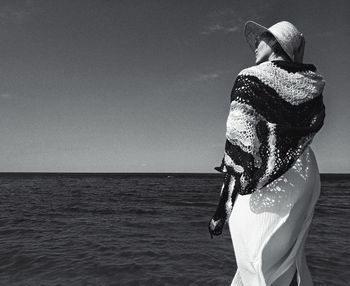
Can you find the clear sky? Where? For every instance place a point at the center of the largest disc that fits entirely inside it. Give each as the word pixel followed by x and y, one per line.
pixel 144 86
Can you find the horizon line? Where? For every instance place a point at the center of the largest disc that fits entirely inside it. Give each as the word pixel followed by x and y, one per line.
pixel 97 173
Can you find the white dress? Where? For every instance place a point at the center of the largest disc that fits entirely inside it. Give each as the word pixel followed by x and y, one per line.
pixel 269 227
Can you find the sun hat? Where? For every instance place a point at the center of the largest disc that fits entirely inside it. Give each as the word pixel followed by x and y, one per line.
pixel 287 35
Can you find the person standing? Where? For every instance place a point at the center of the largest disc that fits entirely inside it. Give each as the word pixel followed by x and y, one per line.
pixel 271 177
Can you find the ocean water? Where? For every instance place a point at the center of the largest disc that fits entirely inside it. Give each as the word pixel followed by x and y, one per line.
pixel 142 229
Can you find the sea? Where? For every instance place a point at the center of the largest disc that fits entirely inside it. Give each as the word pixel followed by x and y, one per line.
pixel 143 229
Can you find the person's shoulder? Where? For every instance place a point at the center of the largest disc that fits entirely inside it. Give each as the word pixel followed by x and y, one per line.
pixel 253 75
pixel 249 78
pixel 255 69
pixel 247 69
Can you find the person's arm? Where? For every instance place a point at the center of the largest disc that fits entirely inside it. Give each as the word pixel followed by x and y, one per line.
pixel 224 208
pixel 238 163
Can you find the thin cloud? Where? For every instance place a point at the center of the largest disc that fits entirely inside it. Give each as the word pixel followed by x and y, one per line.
pixel 222 21
pixel 219 28
pixel 18 14
pixel 232 20
pixel 211 75
pixel 5 96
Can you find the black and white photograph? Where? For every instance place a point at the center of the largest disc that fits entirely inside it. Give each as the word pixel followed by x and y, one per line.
pixel 174 143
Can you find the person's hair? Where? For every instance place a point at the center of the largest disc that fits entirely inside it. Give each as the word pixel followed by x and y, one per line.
pixel 276 47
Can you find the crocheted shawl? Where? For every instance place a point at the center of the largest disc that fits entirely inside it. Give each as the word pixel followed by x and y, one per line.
pixel 276 109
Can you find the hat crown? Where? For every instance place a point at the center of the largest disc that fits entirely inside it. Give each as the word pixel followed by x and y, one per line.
pixel 288 36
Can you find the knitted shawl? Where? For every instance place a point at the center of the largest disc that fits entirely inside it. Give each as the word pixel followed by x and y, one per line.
pixel 276 109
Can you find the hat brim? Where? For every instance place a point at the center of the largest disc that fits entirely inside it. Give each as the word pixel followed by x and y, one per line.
pixel 251 31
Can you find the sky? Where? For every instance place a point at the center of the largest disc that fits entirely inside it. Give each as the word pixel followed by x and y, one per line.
pixel 144 86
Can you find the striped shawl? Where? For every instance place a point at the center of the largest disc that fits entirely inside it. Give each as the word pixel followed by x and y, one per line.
pixel 276 109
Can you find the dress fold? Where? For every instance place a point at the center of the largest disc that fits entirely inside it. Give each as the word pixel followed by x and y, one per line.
pixel 269 227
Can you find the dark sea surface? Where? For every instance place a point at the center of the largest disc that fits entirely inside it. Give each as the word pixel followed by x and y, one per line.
pixel 142 229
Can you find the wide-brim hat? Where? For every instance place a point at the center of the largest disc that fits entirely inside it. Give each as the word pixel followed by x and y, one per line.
pixel 287 35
